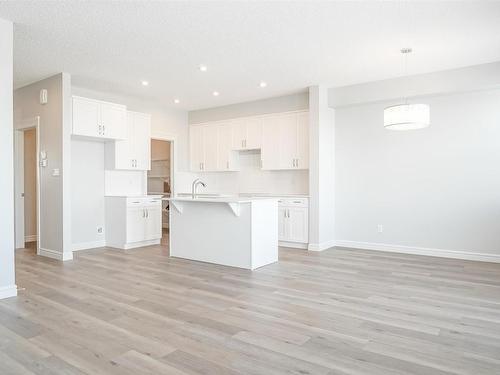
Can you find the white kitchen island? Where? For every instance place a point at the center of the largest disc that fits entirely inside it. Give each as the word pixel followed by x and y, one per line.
pixel 237 232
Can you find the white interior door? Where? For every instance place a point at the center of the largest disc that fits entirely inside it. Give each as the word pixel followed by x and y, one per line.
pixel 19 189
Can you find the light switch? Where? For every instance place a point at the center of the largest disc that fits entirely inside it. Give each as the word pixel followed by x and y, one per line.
pixel 56 172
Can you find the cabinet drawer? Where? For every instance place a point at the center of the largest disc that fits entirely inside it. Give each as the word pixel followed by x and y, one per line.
pixel 135 202
pixel 294 202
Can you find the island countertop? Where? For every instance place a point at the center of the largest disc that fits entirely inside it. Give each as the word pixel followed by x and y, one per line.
pixel 222 199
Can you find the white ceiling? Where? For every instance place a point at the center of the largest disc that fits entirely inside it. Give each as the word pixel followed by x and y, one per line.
pixel 112 46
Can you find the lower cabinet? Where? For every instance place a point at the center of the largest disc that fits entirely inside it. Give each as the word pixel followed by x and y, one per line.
pixel 293 222
pixel 133 221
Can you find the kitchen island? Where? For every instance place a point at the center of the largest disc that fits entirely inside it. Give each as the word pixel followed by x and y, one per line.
pixel 231 231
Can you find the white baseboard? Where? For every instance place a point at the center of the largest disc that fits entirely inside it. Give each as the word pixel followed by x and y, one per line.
pixel 295 245
pixel 466 255
pixel 8 291
pixel 321 246
pixel 88 245
pixel 134 245
pixel 56 254
pixel 31 238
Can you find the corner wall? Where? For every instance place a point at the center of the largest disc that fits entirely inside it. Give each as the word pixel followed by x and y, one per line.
pixel 55 128
pixel 7 266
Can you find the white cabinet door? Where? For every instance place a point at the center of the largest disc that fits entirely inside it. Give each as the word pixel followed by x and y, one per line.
pixel 196 147
pixel 136 217
pixel 239 134
pixel 298 224
pixel 253 139
pixel 287 141
pixel 271 143
pixel 302 155
pixel 141 141
pixel 113 119
pixel 282 223
pixel 209 162
pixel 152 222
pixel 86 117
pixel 227 158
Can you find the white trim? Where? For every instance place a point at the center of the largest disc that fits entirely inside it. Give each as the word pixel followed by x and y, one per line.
pixel 134 245
pixel 295 245
pixel 8 291
pixel 31 238
pixel 49 253
pixel 321 246
pixel 88 245
pixel 455 254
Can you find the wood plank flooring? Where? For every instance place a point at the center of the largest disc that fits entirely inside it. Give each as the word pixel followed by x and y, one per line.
pixel 341 311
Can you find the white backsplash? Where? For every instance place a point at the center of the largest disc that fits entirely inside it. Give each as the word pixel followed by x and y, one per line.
pixel 250 179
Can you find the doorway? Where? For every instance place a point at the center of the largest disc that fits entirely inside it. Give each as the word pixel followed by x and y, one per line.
pixel 160 178
pixel 27 184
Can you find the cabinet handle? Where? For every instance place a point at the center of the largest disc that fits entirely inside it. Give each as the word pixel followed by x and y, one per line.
pixel 297 163
pixel 143 213
pixel 147 213
pixel 227 165
pixel 245 143
pixel 293 162
pixel 103 130
pixel 242 143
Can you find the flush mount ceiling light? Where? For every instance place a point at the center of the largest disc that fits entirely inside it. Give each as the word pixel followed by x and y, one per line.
pixel 203 68
pixel 406 116
pixel 262 84
pixel 145 83
pixel 215 93
pixel 177 101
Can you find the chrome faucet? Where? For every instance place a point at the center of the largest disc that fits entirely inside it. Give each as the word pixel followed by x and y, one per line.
pixel 194 187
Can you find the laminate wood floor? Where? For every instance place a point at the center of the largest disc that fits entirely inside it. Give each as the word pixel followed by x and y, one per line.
pixel 341 311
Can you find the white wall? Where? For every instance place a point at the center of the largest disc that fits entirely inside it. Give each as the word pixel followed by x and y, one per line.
pixel 251 179
pixel 30 167
pixel 436 188
pixel 87 193
pixel 55 206
pixel 7 276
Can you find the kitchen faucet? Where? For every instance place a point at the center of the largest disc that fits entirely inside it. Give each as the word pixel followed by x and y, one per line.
pixel 194 186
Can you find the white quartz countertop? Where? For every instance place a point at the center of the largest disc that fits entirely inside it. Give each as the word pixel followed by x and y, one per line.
pixel 230 199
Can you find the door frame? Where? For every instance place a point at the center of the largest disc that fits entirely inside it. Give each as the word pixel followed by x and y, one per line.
pixel 173 158
pixel 20 128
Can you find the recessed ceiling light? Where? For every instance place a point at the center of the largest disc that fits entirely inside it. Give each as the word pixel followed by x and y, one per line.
pixel 145 83
pixel 262 84
pixel 215 93
pixel 177 101
pixel 203 68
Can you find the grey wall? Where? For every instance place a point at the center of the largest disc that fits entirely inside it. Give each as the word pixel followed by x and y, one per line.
pixel 54 133
pixel 293 102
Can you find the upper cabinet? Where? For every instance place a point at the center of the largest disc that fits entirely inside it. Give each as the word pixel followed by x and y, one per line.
pixel 247 133
pixel 132 153
pixel 210 148
pixel 283 139
pixel 100 120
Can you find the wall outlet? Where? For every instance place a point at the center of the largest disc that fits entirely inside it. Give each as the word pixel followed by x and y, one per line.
pixel 380 228
pixel 99 229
